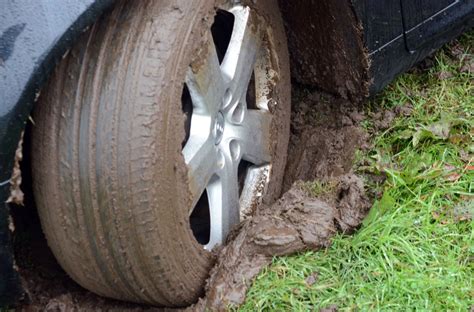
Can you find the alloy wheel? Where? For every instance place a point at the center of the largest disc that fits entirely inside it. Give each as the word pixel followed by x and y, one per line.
pixel 227 91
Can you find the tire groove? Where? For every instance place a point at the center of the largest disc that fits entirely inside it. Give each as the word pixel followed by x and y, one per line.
pixel 135 243
pixel 109 270
pixel 112 187
pixel 77 187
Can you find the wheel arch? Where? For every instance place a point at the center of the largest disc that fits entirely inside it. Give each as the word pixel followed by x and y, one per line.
pixel 33 38
pixel 327 47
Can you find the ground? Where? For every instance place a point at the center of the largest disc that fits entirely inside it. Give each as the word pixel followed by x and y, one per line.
pixel 415 247
pixel 413 148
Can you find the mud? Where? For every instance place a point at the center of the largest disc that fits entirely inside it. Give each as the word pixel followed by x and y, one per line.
pixel 296 222
pixel 16 194
pixel 325 134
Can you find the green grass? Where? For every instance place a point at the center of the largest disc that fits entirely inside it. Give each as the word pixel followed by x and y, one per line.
pixel 415 250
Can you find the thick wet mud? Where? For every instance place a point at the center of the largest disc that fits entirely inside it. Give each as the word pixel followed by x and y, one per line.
pixel 296 222
pixel 325 134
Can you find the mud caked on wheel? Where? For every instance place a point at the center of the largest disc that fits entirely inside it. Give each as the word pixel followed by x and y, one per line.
pixel 164 125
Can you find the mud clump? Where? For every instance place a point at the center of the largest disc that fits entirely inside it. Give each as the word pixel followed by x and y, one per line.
pixel 297 222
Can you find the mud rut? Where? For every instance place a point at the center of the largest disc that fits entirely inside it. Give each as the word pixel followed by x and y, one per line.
pixel 325 134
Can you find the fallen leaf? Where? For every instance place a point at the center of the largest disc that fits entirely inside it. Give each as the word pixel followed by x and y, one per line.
pixel 464 211
pixel 453 177
pixel 465 156
pixel 421 135
pixel 467 68
pixel 449 167
pixel 437 130
pixel 440 129
pixel 442 75
pixel 469 168
pixel 331 308
pixel 459 138
pixel 312 279
pixel 405 134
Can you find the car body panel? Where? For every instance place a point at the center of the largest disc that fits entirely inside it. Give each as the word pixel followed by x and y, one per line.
pixel 394 47
pixel 421 25
pixel 34 35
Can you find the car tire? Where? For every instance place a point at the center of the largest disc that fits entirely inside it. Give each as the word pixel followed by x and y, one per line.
pixel 112 184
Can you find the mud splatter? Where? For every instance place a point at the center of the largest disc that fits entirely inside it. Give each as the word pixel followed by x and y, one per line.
pixel 16 194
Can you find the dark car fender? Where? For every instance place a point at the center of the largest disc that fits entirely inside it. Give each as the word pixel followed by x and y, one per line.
pixel 34 35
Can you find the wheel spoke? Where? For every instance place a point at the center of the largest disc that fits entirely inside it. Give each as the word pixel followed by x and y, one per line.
pixel 205 81
pixel 253 136
pixel 239 61
pixel 223 195
pixel 223 130
pixel 202 159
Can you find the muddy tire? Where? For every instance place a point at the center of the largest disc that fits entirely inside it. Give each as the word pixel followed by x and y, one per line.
pixel 112 184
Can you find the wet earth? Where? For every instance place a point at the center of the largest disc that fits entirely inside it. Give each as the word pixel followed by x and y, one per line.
pixel 325 133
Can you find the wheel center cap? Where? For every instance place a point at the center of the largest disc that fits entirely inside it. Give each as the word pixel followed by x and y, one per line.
pixel 219 128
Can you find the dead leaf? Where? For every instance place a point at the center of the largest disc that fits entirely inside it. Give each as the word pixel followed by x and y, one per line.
pixel 312 279
pixel 449 167
pixel 331 308
pixel 453 177
pixel 459 139
pixel 438 130
pixel 442 75
pixel 464 210
pixel 435 215
pixel 467 68
pixel 465 156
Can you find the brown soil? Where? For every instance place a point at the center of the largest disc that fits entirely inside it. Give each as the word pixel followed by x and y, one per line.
pixel 325 133
pixel 296 222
